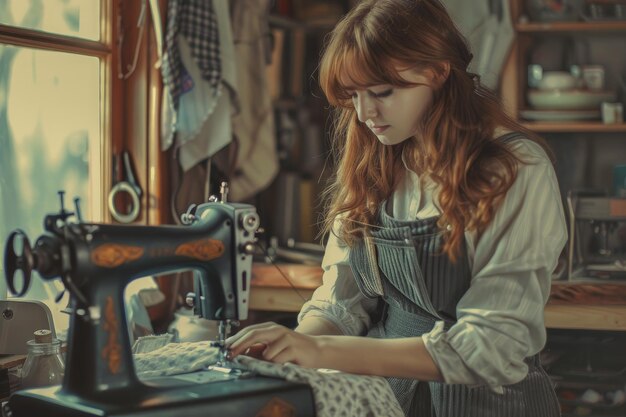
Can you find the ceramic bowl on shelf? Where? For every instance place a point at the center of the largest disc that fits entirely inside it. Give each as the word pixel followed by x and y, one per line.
pixel 568 99
pixel 560 115
pixel 557 80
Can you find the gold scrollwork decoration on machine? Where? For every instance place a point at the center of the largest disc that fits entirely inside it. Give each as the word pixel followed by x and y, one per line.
pixel 277 407
pixel 203 249
pixel 112 352
pixel 110 255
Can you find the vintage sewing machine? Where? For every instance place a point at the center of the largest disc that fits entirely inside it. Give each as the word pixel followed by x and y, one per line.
pixel 95 263
pixel 597 245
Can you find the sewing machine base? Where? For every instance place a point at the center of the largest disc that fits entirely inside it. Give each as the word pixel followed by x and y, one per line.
pixel 255 396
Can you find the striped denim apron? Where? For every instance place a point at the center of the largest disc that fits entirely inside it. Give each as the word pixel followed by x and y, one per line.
pixel 401 264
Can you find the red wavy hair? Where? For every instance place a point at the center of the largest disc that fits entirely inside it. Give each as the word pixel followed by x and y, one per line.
pixel 455 144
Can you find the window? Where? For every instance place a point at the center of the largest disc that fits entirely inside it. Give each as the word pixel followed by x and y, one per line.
pixel 77 18
pixel 55 100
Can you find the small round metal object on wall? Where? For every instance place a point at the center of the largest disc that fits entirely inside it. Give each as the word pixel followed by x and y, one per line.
pixel 124 187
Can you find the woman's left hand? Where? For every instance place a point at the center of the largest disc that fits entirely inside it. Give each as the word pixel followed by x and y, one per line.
pixel 280 344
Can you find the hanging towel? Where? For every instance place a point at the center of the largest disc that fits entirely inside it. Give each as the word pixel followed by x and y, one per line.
pixel 192 29
pixel 488 28
pixel 216 132
pixel 255 162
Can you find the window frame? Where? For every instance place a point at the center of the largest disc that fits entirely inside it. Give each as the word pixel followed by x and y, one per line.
pixel 130 107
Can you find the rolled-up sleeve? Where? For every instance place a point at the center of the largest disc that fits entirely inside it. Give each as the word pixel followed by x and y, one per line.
pixel 500 319
pixel 339 299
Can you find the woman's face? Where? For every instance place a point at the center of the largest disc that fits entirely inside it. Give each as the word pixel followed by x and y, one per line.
pixel 394 113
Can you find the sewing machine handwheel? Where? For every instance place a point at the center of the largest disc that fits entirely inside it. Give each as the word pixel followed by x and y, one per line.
pixel 14 262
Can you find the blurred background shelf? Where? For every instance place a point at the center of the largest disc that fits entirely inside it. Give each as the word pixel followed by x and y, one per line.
pixel 596 27
pixel 575 127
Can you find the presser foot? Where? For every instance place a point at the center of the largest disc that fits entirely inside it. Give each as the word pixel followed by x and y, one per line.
pixel 222 353
pixel 236 371
pixel 224 364
pixel 231 368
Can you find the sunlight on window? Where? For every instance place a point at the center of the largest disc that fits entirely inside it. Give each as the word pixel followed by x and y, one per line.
pixel 78 18
pixel 49 141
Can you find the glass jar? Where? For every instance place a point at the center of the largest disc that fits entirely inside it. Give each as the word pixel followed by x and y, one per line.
pixel 44 363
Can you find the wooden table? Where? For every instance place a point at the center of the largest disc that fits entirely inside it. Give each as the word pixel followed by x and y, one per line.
pixel 271 291
pixel 587 304
pixel 284 287
pixel 10 361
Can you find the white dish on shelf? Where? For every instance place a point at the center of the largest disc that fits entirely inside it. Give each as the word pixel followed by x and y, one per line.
pixel 560 115
pixel 557 80
pixel 569 99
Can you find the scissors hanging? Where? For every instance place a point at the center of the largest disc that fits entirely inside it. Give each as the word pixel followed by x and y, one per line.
pixel 126 183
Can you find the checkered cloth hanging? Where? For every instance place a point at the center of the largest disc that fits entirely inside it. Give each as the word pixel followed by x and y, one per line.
pixel 195 20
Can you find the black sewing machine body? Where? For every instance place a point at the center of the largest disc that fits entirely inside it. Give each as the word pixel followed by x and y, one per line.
pixel 255 396
pixel 96 262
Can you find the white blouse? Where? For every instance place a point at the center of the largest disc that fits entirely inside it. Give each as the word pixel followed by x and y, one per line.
pixel 500 319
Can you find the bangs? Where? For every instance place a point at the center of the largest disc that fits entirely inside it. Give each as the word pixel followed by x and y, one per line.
pixel 347 66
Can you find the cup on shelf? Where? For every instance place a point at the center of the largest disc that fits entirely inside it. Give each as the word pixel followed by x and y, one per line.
pixel 593 76
pixel 612 113
pixel 535 74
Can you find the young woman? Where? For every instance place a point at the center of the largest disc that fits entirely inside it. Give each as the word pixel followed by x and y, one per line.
pixel 445 224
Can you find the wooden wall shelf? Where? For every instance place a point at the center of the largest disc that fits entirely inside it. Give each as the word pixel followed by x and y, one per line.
pixel 598 127
pixel 571 27
pixel 527 35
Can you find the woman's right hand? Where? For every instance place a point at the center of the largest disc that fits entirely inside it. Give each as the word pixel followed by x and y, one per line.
pixel 275 343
